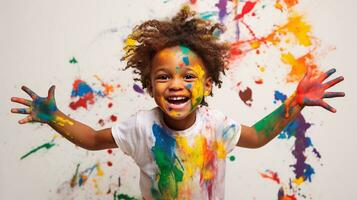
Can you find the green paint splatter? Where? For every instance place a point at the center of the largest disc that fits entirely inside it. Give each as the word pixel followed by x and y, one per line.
pixel 73 61
pixel 44 110
pixel 198 102
pixel 184 49
pixel 47 145
pixel 269 123
pixel 168 163
pixel 232 158
pixel 122 196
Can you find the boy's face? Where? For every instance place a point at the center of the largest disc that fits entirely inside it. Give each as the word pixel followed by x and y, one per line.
pixel 178 81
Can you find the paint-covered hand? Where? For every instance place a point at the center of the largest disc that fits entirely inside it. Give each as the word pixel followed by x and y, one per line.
pixel 40 109
pixel 311 91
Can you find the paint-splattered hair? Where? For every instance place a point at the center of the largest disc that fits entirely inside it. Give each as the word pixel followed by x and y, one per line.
pixel 184 29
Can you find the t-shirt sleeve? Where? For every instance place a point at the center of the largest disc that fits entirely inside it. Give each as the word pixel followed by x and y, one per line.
pixel 229 131
pixel 125 134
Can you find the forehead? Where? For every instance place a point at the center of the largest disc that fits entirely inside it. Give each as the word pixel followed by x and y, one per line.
pixel 177 56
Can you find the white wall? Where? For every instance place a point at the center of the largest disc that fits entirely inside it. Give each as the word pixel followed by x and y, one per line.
pixel 38 38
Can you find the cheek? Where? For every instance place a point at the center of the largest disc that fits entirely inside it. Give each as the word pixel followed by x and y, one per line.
pixel 197 91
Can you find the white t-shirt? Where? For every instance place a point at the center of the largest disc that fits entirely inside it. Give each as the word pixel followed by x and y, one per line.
pixel 187 164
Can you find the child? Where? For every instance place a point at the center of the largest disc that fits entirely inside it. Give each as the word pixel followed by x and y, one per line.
pixel 181 145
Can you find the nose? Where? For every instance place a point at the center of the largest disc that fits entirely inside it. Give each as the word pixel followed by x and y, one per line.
pixel 176 84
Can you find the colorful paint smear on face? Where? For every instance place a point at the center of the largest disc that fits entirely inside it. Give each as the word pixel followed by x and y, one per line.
pixel 197 88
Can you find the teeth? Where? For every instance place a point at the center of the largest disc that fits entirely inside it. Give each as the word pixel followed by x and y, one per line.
pixel 177 98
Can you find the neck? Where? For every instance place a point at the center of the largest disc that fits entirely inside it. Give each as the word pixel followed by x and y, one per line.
pixel 180 124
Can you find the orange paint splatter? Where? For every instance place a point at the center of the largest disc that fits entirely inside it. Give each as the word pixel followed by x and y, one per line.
pixel 298 65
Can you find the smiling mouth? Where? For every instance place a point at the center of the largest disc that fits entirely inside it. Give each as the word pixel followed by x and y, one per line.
pixel 177 102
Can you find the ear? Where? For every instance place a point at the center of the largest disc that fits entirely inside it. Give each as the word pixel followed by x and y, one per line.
pixel 149 87
pixel 208 86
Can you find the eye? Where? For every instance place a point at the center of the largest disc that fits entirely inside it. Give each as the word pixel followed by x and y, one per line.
pixel 189 77
pixel 162 77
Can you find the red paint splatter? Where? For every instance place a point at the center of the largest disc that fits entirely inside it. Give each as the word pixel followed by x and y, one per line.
pixel 248 6
pixel 109 163
pixel 84 94
pixel 113 118
pixel 82 101
pixel 110 151
pixel 271 175
pixel 290 3
pixel 259 81
pixel 110 105
pixel 283 196
pixel 193 1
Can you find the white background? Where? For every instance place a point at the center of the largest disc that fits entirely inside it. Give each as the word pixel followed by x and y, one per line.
pixel 39 37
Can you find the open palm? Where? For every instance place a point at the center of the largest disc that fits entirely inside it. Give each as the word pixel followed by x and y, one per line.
pixel 39 109
pixel 311 91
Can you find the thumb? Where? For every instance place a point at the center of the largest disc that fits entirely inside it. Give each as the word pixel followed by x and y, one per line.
pixel 51 92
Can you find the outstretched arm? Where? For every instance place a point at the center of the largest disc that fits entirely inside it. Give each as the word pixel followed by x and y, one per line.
pixel 44 110
pixel 310 92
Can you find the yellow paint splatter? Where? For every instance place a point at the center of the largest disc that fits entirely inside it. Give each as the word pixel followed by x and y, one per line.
pixel 299 28
pixel 100 171
pixel 298 65
pixel 62 121
pixel 299 180
pixel 197 86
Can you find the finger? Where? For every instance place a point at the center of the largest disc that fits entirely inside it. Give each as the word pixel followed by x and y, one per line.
pixel 32 94
pixel 333 82
pixel 309 72
pixel 21 110
pixel 26 120
pixel 333 94
pixel 326 74
pixel 327 106
pixel 21 101
pixel 51 92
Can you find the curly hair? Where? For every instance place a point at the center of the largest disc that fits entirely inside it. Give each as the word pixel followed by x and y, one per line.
pixel 183 29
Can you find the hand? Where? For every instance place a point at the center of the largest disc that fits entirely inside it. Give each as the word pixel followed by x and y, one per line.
pixel 311 92
pixel 39 109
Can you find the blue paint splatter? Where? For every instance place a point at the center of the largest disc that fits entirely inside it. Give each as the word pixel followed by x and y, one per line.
pixel 81 89
pixel 278 96
pixel 207 15
pixel 186 60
